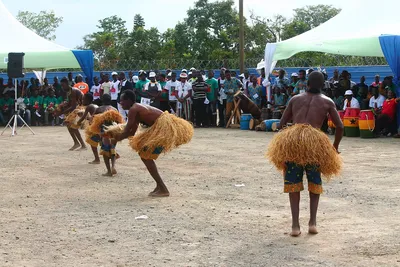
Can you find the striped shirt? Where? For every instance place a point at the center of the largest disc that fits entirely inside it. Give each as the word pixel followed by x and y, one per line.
pixel 198 88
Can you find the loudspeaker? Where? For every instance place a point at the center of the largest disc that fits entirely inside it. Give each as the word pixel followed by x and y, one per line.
pixel 15 65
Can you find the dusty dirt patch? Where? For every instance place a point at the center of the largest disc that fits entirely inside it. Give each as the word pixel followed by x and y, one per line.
pixel 57 210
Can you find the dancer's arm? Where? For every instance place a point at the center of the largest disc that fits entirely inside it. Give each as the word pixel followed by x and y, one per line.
pixel 89 109
pixel 131 126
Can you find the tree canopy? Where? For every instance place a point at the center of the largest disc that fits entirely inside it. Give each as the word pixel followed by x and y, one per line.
pixel 43 23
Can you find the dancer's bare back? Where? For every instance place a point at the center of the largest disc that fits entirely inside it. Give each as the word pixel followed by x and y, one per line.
pixel 143 114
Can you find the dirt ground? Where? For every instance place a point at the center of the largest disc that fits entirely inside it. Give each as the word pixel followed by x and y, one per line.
pixel 56 210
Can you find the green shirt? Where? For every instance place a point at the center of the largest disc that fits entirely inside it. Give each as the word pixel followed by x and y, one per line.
pixel 213 83
pixel 48 100
pixel 6 104
pixel 36 100
pixel 139 88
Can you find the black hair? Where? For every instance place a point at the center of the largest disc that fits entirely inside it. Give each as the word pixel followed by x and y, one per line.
pixel 227 71
pixel 129 95
pixel 106 99
pixel 302 71
pixel 163 75
pixel 64 80
pixel 89 97
pixel 173 73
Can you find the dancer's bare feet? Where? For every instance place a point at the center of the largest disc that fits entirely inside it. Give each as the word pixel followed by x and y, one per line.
pixel 295 232
pixel 75 146
pixel 96 161
pixel 159 193
pixel 109 174
pixel 312 229
pixel 113 171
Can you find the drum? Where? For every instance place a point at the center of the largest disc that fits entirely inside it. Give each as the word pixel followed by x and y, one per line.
pixel 248 106
pixel 350 121
pixel 277 115
pixel 269 123
pixel 253 123
pixel 366 124
pixel 265 114
pixel 330 122
pixel 245 121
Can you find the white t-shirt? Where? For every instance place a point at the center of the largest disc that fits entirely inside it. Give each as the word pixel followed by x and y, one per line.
pixel 106 86
pixel 353 104
pixel 114 91
pixel 172 87
pixel 221 91
pixel 183 89
pixel 95 90
pixel 379 101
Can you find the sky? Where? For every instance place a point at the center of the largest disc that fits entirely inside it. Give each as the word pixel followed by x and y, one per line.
pixel 82 16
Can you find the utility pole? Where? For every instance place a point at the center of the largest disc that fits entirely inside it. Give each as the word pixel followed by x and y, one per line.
pixel 241 36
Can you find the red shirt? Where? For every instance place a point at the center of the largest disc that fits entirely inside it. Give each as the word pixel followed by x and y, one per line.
pixel 389 107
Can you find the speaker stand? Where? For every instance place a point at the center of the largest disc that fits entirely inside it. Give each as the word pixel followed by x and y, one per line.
pixel 15 117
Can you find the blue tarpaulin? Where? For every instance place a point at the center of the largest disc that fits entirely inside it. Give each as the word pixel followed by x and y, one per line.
pixel 86 61
pixel 390 45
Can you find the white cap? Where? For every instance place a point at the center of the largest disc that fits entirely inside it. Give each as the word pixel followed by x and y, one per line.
pixel 241 75
pixel 294 74
pixel 152 74
pixel 169 74
pixel 184 70
pixel 183 75
pixel 190 73
pixel 348 92
pixel 135 79
pixel 114 73
pixel 192 69
pixel 142 72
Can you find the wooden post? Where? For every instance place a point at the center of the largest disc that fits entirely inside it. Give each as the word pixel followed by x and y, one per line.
pixel 241 36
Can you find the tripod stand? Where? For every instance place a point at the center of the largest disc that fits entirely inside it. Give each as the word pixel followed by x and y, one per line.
pixel 15 117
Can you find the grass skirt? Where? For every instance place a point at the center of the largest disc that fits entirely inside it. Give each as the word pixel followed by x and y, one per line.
pixel 304 145
pixel 167 133
pixel 72 118
pixel 107 118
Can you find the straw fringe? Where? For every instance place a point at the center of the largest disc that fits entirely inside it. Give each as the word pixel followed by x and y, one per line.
pixel 167 133
pixel 304 145
pixel 72 118
pixel 100 119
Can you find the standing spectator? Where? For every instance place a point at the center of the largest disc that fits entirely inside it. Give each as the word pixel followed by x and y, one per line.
pixel 301 85
pixel 199 88
pixel 212 96
pixel 106 85
pixel 115 89
pixel 360 85
pixel 49 106
pixel 139 87
pixel 152 90
pixel 246 79
pixel 82 86
pixel 130 77
pixel 184 108
pixel 376 101
pixel 221 99
pixel 123 85
pixel 335 79
pixel 350 101
pixel 36 106
pixel 281 81
pixel 10 87
pixel 293 80
pixel 254 91
pixel 172 86
pixel 265 84
pixel 2 87
pixel 389 84
pixel 345 82
pixel 386 119
pixel 95 90
pixel 231 87
pixel 377 81
pixel 362 97
pixel 46 87
pixel 164 99
pixel 57 87
pixel 71 81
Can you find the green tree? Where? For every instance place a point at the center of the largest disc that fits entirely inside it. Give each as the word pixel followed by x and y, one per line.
pixel 43 23
pixel 293 29
pixel 315 15
pixel 138 22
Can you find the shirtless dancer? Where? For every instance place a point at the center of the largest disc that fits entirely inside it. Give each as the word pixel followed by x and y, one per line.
pixel 74 97
pixel 310 108
pixel 89 112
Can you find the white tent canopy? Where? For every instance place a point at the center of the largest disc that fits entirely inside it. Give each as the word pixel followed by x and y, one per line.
pixel 354 31
pixel 39 52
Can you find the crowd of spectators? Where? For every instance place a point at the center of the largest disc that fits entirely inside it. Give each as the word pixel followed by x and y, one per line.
pixel 199 97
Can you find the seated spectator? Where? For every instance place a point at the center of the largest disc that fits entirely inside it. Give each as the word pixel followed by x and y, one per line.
pixel 45 88
pixel 377 81
pixel 337 98
pixel 279 99
pixel 389 85
pixel 254 91
pixel 344 82
pixel 359 86
pixel 7 106
pixel 57 87
pixel 49 106
pixel 10 87
pixel 362 97
pixel 386 119
pixel 36 106
pixel 2 87
pixel 22 105
pixel 350 101
pixel 376 101
pixel 335 79
pixel 301 85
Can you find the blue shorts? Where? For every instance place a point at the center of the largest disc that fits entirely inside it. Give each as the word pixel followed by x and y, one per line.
pixel 294 178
